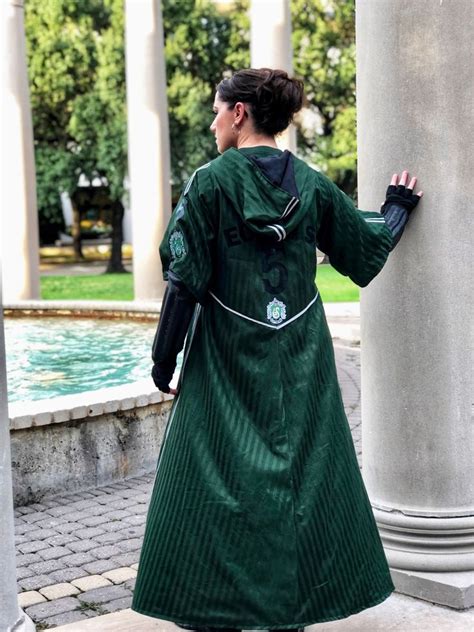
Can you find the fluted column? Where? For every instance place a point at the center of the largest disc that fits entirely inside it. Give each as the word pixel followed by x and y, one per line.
pixel 18 210
pixel 270 46
pixel 12 619
pixel 148 142
pixel 415 90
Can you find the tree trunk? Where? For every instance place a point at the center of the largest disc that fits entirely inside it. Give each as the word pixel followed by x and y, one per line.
pixel 76 231
pixel 115 262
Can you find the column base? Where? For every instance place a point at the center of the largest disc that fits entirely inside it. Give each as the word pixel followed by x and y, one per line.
pixel 24 624
pixel 426 544
pixel 455 590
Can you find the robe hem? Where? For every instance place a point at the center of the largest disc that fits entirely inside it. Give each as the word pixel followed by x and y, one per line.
pixel 252 626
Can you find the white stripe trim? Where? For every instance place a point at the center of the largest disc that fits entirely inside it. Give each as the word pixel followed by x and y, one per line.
pixel 272 226
pixel 190 181
pixel 376 220
pixel 290 206
pixel 280 230
pixel 260 322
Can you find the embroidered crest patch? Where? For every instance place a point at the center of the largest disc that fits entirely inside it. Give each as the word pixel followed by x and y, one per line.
pixel 176 242
pixel 276 312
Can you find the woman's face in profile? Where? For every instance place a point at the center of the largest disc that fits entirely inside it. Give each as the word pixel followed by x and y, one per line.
pixel 221 126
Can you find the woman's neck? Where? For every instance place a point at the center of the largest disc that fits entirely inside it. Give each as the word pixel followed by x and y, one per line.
pixel 255 140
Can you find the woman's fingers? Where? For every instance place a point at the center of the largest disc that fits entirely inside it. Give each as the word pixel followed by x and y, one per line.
pixel 412 184
pixel 173 391
pixel 404 179
pixel 420 194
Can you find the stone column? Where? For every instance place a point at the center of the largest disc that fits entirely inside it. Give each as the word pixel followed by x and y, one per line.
pixel 11 617
pixel 148 142
pixel 19 217
pixel 415 95
pixel 270 46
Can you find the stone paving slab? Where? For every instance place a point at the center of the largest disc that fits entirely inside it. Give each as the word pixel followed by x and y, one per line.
pixel 57 591
pixel 30 598
pixel 397 614
pixel 80 550
pixel 90 582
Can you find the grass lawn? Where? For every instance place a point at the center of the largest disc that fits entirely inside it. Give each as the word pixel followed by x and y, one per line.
pixel 119 287
pixel 101 287
pixel 334 287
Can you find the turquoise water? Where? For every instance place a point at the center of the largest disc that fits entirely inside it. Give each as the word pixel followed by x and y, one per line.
pixel 47 357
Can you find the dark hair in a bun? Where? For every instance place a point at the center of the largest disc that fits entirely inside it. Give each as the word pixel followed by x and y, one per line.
pixel 272 95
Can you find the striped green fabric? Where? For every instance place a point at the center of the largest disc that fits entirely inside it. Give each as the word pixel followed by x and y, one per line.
pixel 259 517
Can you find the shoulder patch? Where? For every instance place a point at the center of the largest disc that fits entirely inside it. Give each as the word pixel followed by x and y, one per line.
pixel 177 245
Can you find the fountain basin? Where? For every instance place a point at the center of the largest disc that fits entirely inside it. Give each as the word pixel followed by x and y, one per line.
pixel 74 442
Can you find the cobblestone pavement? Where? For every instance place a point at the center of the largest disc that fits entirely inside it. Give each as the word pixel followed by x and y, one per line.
pixel 77 553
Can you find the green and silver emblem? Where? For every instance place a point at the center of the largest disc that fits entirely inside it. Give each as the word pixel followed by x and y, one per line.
pixel 177 247
pixel 276 312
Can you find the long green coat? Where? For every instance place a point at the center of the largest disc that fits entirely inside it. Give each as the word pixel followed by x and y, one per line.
pixel 259 517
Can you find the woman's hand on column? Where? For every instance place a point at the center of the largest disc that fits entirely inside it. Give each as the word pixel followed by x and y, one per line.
pixel 400 193
pixel 399 203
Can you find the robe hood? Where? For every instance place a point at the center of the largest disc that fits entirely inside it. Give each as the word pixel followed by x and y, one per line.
pixel 260 182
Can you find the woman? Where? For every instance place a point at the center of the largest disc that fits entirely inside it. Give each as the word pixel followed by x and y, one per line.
pixel 259 518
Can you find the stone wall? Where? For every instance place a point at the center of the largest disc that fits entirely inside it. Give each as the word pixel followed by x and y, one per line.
pixel 76 445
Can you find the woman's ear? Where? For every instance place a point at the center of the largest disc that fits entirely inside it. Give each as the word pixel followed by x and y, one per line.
pixel 239 113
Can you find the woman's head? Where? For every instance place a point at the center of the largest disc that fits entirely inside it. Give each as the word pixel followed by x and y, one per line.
pixel 264 99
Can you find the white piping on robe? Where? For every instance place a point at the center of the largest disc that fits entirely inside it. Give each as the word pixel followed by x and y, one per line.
pixel 376 220
pixel 190 181
pixel 260 322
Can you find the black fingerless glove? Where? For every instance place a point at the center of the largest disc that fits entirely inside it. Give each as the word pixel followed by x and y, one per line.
pixel 396 209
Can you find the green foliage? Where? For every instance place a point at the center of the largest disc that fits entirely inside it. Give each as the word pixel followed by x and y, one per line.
pixel 324 57
pixel 76 63
pixel 77 84
pixel 62 46
pixel 110 93
pixel 200 43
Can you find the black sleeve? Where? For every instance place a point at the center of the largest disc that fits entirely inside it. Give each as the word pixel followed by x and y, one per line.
pixel 176 313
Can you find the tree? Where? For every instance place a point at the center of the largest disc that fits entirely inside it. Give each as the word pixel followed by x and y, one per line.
pixel 99 122
pixel 200 42
pixel 61 48
pixel 77 77
pixel 324 57
pixel 77 84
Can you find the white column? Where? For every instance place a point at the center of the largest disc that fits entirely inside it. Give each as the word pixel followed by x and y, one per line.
pixel 415 95
pixel 148 142
pixel 11 617
pixel 18 211
pixel 270 46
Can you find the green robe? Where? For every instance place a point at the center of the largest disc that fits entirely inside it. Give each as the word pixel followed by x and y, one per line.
pixel 259 517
